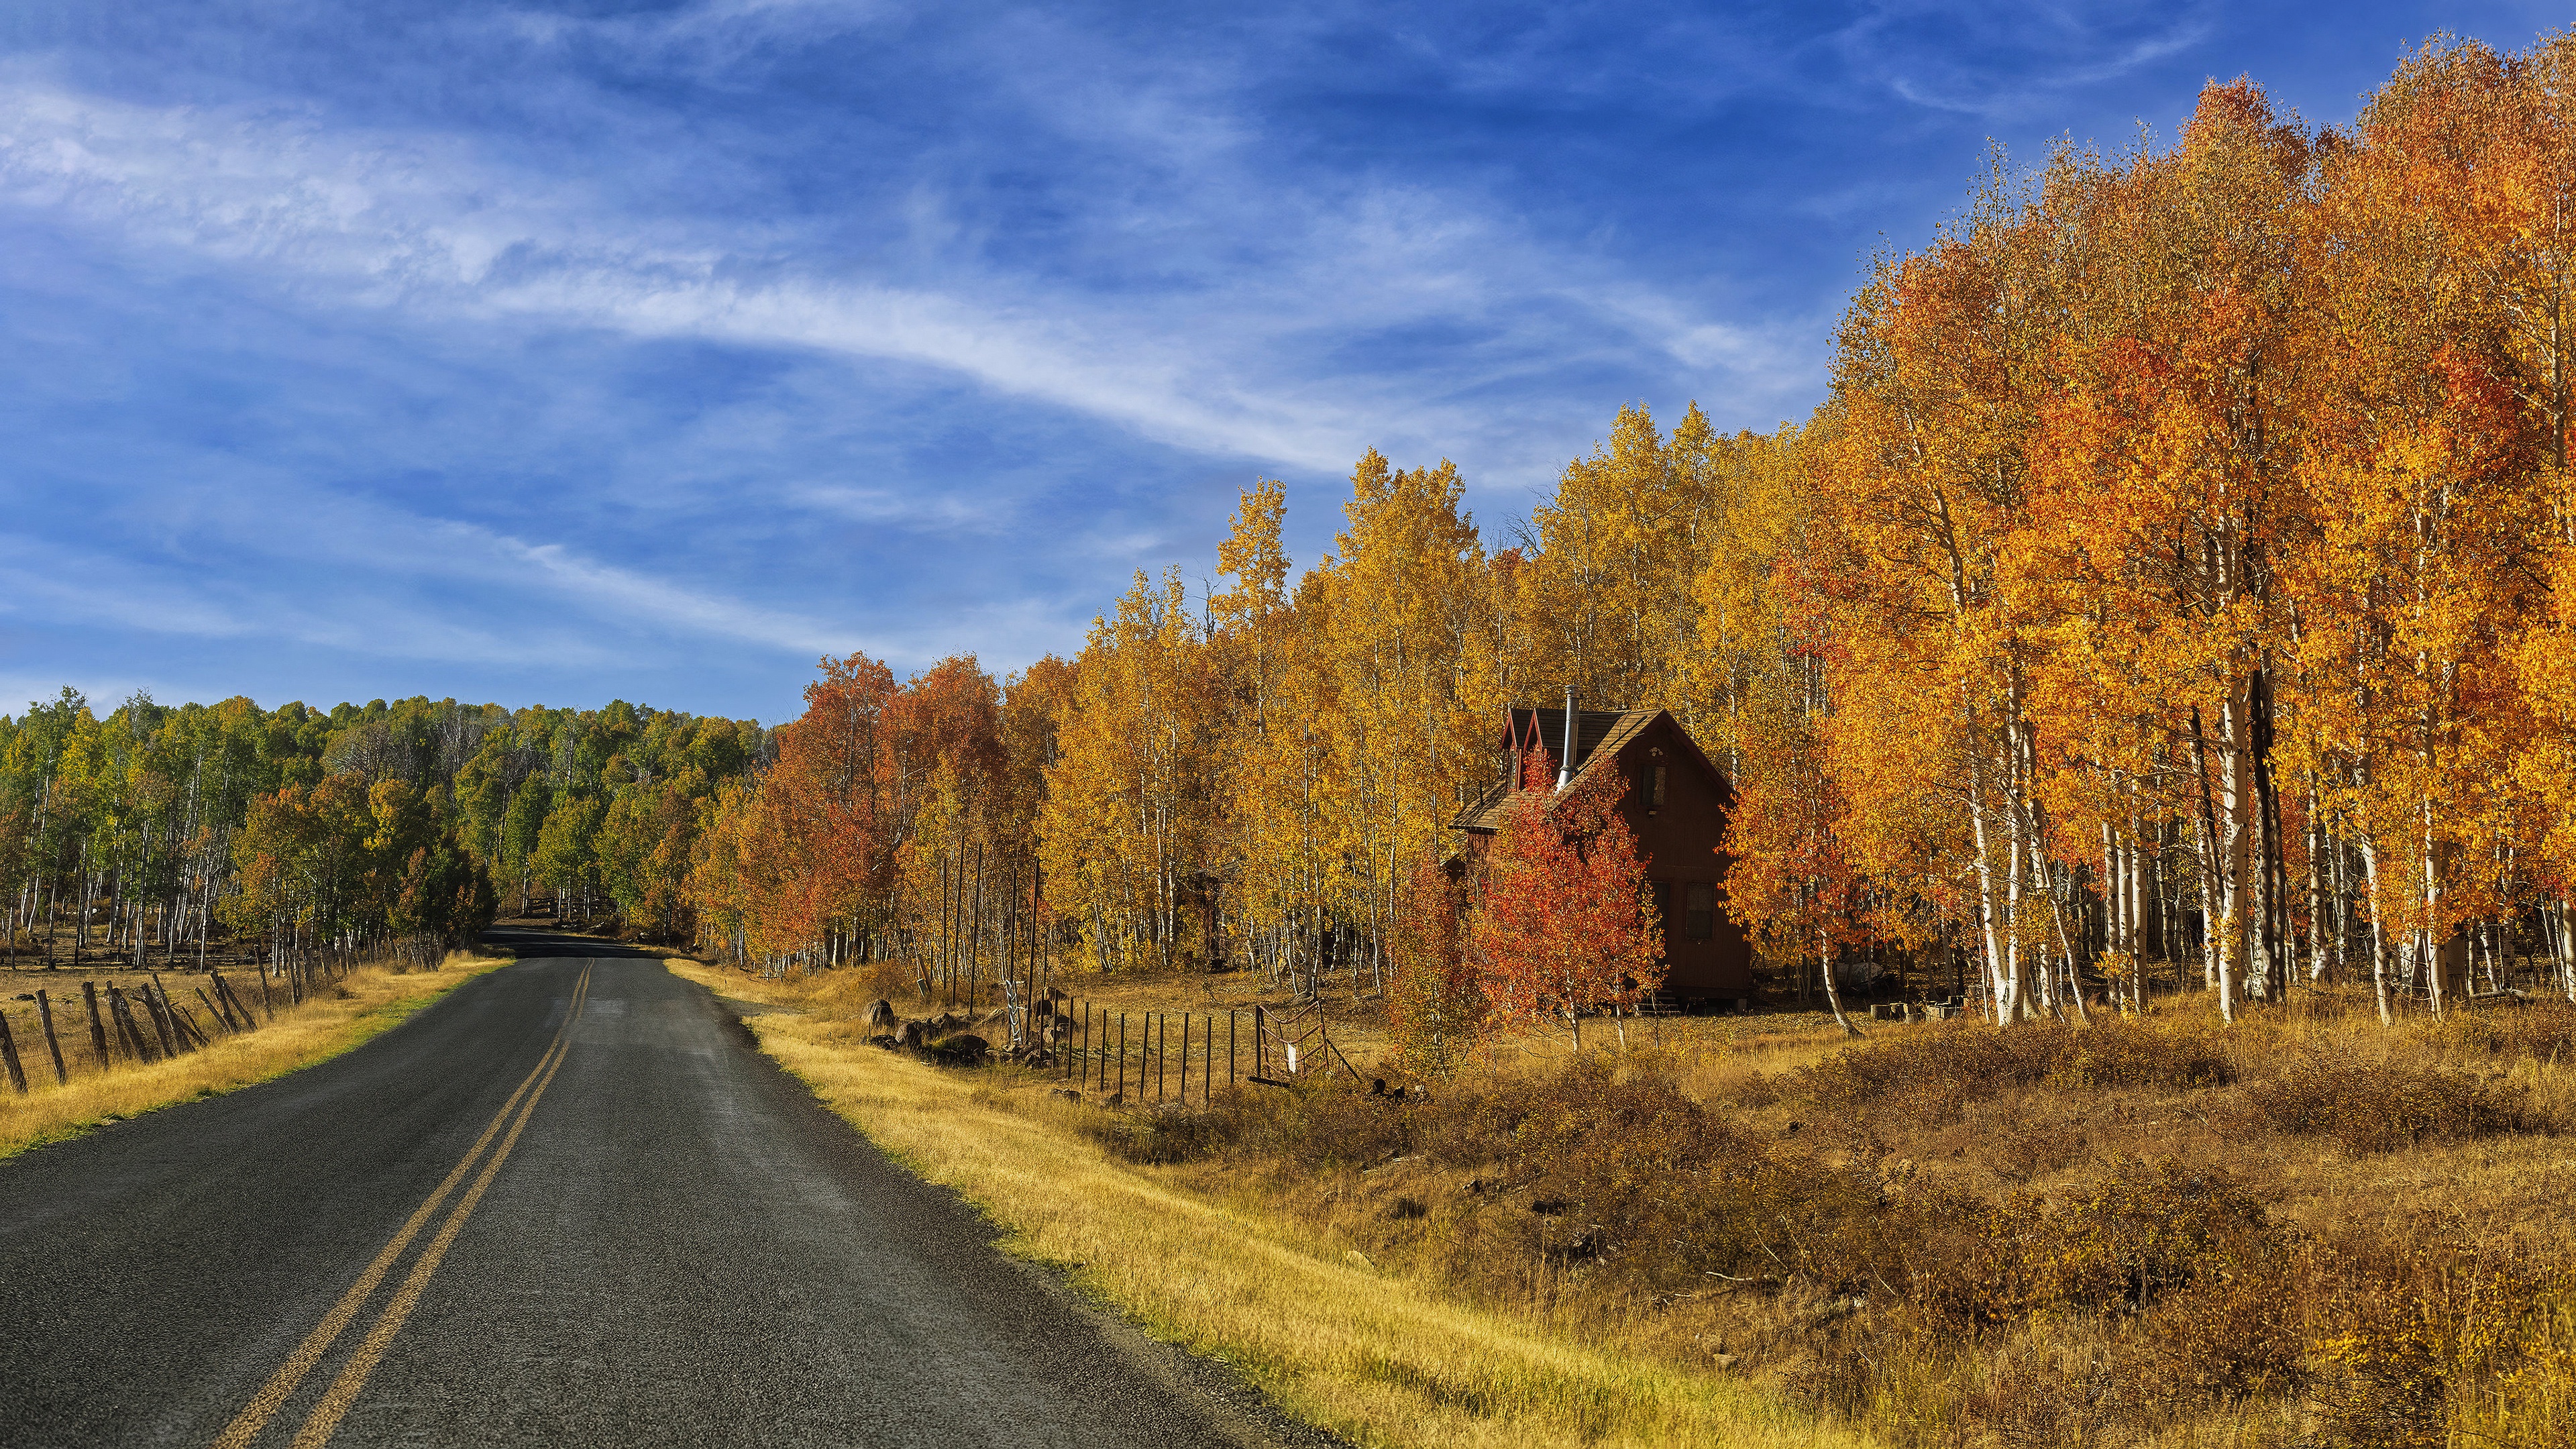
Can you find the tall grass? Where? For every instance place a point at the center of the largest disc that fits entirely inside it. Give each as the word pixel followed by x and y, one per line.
pixel 331 1020
pixel 1382 1357
pixel 2304 1229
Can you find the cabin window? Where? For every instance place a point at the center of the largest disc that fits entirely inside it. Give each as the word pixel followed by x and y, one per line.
pixel 1655 788
pixel 1700 911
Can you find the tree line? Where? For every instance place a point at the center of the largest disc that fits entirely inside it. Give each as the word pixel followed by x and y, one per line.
pixel 2181 572
pixel 202 829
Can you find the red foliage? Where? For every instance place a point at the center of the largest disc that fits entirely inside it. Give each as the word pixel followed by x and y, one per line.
pixel 1566 926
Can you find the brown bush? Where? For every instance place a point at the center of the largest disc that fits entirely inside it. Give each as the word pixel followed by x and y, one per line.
pixel 2139 1298
pixel 2414 1319
pixel 2543 1030
pixel 2128 1053
pixel 2119 1244
pixel 1639 1179
pixel 2379 1108
pixel 1333 1123
pixel 1172 1132
pixel 1931 1072
pixel 1935 1072
pixel 2233 1332
pixel 2142 1231
pixel 2029 1401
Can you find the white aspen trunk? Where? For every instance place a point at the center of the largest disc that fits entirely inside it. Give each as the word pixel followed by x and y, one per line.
pixel 1989 926
pixel 1833 992
pixel 2566 967
pixel 2013 1005
pixel 2234 805
pixel 2378 932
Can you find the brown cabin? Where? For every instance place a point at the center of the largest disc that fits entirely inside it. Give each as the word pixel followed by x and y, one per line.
pixel 1677 804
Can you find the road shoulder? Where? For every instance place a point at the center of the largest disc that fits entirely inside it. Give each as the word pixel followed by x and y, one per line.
pixel 327 1024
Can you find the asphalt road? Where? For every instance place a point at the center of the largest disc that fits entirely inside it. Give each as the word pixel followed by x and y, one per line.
pixel 569 1204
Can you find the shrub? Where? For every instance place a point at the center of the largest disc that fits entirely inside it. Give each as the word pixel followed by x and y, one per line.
pixel 2144 1230
pixel 2233 1332
pixel 2121 1244
pixel 1333 1123
pixel 1932 1071
pixel 2420 1323
pixel 2137 1054
pixel 1935 1072
pixel 2543 1030
pixel 2384 1107
pixel 1172 1132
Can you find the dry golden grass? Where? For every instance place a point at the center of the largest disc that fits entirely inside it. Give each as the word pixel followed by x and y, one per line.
pixel 2403 1284
pixel 1711 1050
pixel 1376 1356
pixel 328 1023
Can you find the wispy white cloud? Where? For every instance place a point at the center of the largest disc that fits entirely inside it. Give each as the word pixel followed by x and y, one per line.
pixel 1221 366
pixel 613 592
pixel 50 581
pixel 933 512
pixel 1995 62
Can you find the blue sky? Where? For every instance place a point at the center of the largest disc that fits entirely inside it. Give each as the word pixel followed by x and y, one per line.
pixel 559 353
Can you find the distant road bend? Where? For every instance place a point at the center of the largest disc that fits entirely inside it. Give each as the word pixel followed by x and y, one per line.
pixel 568 1204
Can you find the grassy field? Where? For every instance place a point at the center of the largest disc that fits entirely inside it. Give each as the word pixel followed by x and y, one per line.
pixel 2305 1230
pixel 1373 1353
pixel 331 1020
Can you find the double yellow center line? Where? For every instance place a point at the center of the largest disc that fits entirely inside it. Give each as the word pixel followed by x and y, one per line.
pixel 325 1418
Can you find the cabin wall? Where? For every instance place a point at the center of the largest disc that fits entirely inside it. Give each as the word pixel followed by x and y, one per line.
pixel 1681 841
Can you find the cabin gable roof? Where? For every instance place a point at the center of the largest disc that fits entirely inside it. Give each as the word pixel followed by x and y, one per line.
pixel 1601 737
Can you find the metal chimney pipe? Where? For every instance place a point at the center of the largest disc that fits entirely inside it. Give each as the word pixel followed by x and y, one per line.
pixel 1565 762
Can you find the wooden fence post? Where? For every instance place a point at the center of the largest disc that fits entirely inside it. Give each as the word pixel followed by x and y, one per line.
pixel 123 1011
pixel 1122 1054
pixel 162 1025
pixel 45 1010
pixel 9 1055
pixel 216 1012
pixel 170 1015
pixel 1185 1058
pixel 97 1028
pixel 224 989
pixel 191 1035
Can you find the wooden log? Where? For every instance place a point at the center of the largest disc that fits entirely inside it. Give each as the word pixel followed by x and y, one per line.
pixel 162 1025
pixel 45 1010
pixel 9 1057
pixel 215 1009
pixel 225 990
pixel 191 1035
pixel 124 1014
pixel 97 1028
pixel 176 1017
pixel 215 1003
